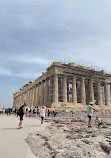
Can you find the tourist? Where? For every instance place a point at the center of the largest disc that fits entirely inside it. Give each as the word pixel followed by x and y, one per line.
pixel 42 114
pixel 3 111
pixel 99 122
pixel 34 111
pixel 7 111
pixel 52 112
pixel 37 110
pixel 90 110
pixel 55 112
pixel 48 112
pixel 30 112
pixel 21 112
pixel 26 110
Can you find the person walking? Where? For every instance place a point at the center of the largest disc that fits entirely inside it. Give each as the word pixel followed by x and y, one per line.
pixel 21 112
pixel 90 110
pixel 38 111
pixel 48 112
pixel 42 115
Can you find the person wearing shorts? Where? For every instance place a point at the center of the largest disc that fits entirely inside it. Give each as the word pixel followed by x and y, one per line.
pixel 42 118
pixel 42 115
pixel 21 117
pixel 21 114
pixel 90 110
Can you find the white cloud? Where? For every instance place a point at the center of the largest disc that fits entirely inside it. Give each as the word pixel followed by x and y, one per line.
pixel 26 59
pixel 26 75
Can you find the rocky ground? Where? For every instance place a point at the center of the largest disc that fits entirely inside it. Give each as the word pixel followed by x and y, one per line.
pixel 67 136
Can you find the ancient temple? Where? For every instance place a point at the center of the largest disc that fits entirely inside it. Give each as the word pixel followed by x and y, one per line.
pixel 64 85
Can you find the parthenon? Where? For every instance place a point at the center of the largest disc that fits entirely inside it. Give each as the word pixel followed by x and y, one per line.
pixel 64 85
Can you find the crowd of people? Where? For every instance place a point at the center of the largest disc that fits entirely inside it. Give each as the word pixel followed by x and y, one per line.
pixel 33 111
pixel 42 112
pixel 8 111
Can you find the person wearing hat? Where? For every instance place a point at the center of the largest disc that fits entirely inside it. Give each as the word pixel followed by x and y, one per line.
pixel 90 110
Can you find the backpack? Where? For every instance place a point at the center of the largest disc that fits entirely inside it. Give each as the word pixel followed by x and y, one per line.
pixel 20 110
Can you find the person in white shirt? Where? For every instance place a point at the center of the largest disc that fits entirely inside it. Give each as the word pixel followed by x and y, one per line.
pixel 42 115
pixel 99 122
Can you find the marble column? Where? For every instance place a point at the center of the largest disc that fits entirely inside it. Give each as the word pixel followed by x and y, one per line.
pixel 74 90
pixel 55 88
pixel 43 87
pixel 49 90
pixel 83 92
pixel 36 95
pixel 41 93
pixel 21 99
pixel 33 91
pixel 30 96
pixel 34 103
pixel 91 90
pixel 14 101
pixel 107 99
pixel 99 93
pixel 45 91
pixel 27 98
pixel 64 89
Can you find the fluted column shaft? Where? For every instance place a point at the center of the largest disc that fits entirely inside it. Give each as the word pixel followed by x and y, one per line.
pixel 74 90
pixel 99 93
pixel 83 93
pixel 36 96
pixel 39 94
pixel 27 100
pixel 64 89
pixel 107 99
pixel 91 90
pixel 30 97
pixel 55 88
pixel 33 92
pixel 46 92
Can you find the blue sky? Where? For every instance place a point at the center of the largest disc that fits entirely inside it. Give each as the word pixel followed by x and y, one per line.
pixel 34 33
